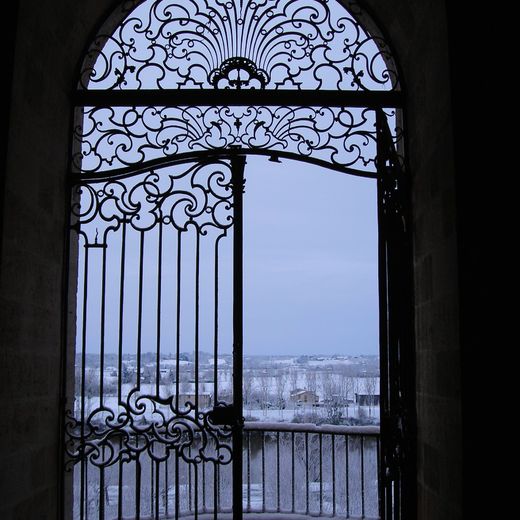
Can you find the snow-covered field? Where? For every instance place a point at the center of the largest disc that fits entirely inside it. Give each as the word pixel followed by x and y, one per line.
pixel 254 411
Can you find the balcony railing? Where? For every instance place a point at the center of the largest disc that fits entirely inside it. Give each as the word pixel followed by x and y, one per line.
pixel 311 470
pixel 288 469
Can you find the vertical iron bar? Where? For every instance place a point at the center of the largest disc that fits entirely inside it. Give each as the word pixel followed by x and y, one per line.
pixel 215 325
pixel 196 491
pixel 121 313
pixel 378 466
pixel 178 330
pixel 362 447
pixel 384 490
pixel 197 304
pixel 263 473
pixel 307 473
pixel 86 494
pixel 102 325
pixel 120 484
pixel 333 471
pixel 320 438
pixel 249 471
pixel 203 486
pixel 237 181
pixel 101 491
pixel 137 483
pixel 293 487
pixel 215 492
pixel 189 481
pixel 140 312
pixel 347 477
pixel 152 488
pixel 159 294
pixel 219 501
pixel 83 468
pixel 278 471
pixel 120 361
pixel 157 489
pixel 166 497
pixel 177 485
pixel 102 369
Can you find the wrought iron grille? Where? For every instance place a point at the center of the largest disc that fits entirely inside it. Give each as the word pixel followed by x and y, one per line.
pixel 119 139
pixel 171 99
pixel 241 44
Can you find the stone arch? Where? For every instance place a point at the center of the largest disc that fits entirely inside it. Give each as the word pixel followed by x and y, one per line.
pixel 148 97
pixel 58 30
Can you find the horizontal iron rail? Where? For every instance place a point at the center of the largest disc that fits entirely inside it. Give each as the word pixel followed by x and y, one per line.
pixel 209 157
pixel 228 97
pixel 311 428
pixel 295 469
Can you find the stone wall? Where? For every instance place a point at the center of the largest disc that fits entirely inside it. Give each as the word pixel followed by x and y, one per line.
pixel 418 32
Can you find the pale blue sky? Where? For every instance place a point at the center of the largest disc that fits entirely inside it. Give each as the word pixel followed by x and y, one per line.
pixel 310 260
pixel 310 271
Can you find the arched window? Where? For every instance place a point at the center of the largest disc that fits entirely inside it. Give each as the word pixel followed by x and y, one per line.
pixel 173 98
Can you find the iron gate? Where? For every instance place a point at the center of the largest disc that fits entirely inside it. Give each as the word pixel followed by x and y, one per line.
pixel 168 105
pixel 162 250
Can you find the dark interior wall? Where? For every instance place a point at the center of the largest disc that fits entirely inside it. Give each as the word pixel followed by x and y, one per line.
pixel 50 38
pixel 418 32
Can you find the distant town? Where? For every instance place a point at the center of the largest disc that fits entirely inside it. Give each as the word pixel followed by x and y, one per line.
pixel 318 389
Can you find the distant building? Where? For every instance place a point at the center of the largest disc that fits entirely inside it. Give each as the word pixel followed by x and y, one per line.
pixel 304 397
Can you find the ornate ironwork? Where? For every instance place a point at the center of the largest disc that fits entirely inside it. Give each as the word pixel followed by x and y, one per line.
pixel 159 48
pixel 147 424
pixel 238 73
pixel 116 137
pixel 271 44
pixel 199 196
pixel 178 200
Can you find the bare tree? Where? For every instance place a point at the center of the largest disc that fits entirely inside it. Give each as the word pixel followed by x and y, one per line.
pixel 91 387
pixel 263 383
pixel 311 380
pixel 332 397
pixel 348 389
pixel 281 383
pixel 293 379
pixel 370 389
pixel 356 392
pixel 248 385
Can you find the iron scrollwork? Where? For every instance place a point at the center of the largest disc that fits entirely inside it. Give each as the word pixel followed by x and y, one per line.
pixel 271 44
pixel 205 44
pixel 200 196
pixel 117 137
pixel 147 424
pixel 178 198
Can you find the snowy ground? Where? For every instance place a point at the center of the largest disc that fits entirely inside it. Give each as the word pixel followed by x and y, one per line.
pixel 292 411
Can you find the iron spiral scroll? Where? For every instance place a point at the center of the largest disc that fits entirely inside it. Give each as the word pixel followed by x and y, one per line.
pixel 106 438
pixel 267 44
pixel 199 196
pixel 114 138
